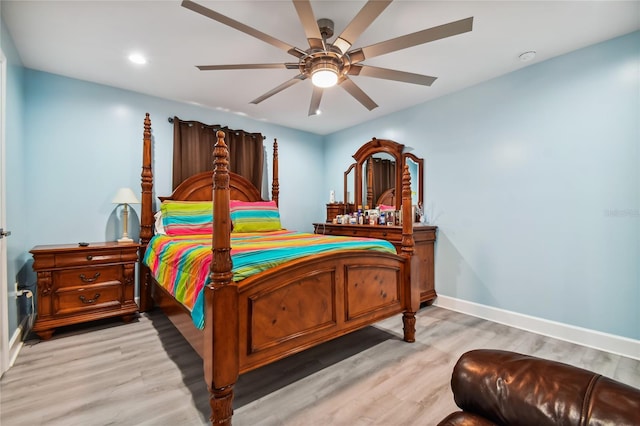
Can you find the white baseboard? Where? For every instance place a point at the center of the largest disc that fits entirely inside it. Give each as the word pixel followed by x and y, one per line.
pixel 582 336
pixel 15 343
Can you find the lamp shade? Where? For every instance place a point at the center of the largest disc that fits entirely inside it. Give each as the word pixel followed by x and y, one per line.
pixel 125 196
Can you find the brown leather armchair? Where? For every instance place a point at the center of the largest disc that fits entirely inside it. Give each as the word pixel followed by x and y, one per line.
pixel 495 387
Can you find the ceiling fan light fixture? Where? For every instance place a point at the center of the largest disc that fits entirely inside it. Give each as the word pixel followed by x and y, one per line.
pixel 324 74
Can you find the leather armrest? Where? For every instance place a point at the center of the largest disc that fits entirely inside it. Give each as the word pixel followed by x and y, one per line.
pixel 511 388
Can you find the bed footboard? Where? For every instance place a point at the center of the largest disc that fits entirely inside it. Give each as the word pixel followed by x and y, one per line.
pixel 313 300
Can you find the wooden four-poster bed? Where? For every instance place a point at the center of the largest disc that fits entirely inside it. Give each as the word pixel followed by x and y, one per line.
pixel 284 309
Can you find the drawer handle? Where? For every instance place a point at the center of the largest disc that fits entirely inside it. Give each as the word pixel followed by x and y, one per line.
pixel 89 280
pixel 89 257
pixel 384 234
pixel 89 301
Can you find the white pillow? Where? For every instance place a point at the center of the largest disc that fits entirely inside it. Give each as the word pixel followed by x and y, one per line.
pixel 159 226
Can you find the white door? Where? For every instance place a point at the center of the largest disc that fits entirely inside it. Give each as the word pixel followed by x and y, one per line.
pixel 4 303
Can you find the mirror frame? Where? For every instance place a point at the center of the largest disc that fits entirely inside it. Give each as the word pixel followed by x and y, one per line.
pixel 420 179
pixel 346 184
pixel 375 146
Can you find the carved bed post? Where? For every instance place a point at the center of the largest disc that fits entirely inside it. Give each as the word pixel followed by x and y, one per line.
pixel 146 217
pixel 275 184
pixel 412 290
pixel 221 341
pixel 370 183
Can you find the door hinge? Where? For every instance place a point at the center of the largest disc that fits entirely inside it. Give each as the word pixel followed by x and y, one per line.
pixel 4 233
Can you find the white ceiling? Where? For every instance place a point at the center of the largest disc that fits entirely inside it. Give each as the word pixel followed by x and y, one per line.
pixel 90 40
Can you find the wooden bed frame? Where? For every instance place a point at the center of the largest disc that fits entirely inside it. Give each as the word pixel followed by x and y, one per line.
pixel 281 311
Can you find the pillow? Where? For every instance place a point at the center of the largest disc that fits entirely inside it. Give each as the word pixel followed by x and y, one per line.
pixel 187 217
pixel 159 227
pixel 256 216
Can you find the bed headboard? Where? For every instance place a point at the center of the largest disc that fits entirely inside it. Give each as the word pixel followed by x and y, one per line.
pixel 199 188
pixel 196 188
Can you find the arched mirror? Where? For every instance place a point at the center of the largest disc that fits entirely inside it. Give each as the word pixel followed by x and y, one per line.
pixel 376 178
pixel 378 173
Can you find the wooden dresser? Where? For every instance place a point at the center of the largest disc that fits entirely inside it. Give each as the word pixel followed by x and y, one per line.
pixel 424 237
pixel 77 284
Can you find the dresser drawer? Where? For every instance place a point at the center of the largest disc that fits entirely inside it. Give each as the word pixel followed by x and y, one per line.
pixel 79 277
pixel 381 232
pixel 73 300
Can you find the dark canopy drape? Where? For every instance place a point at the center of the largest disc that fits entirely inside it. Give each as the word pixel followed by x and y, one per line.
pixel 193 147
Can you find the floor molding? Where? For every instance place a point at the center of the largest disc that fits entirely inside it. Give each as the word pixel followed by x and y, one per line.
pixel 15 343
pixel 594 339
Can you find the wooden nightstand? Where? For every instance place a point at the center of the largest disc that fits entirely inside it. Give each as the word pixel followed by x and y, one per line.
pixel 78 284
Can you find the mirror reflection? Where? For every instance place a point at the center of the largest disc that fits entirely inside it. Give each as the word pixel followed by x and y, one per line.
pixel 379 180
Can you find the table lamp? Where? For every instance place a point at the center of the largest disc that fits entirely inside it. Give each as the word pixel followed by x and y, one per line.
pixel 125 196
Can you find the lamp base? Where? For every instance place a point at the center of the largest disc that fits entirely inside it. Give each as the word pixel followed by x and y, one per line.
pixel 125 240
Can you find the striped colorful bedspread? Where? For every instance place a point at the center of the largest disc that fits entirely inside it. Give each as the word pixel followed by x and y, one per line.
pixel 180 264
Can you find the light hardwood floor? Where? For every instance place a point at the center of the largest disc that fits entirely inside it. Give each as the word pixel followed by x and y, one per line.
pixel 144 373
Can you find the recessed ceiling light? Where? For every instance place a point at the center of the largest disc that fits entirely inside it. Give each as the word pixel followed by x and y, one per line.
pixel 318 112
pixel 527 56
pixel 137 58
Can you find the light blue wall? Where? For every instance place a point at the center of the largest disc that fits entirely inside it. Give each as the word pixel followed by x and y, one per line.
pixel 88 142
pixel 16 204
pixel 82 141
pixel 532 179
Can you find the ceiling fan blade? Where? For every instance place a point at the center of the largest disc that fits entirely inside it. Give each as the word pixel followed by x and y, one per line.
pixel 348 85
pixel 387 74
pixel 316 97
pixel 241 67
pixel 242 27
pixel 309 23
pixel 361 22
pixel 413 39
pixel 279 89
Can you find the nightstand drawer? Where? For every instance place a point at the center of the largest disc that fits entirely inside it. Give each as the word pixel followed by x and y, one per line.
pixel 93 257
pixel 73 300
pixel 65 259
pixel 79 277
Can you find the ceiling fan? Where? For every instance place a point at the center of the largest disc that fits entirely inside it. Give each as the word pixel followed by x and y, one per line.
pixel 328 64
